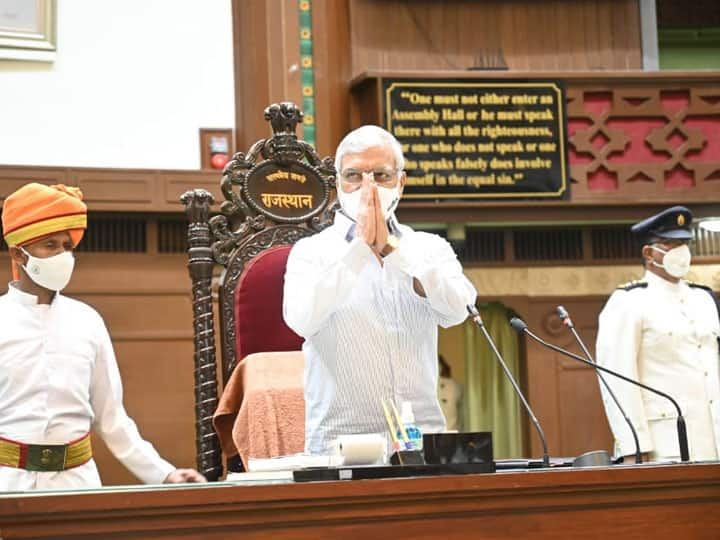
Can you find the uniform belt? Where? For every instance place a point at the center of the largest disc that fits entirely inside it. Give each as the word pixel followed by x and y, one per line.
pixel 45 457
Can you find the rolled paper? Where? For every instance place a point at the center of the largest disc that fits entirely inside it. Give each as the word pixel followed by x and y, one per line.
pixel 362 449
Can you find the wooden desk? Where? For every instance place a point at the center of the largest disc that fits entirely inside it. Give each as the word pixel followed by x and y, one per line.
pixel 658 502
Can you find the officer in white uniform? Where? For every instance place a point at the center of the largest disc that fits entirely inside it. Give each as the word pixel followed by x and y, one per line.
pixel 664 332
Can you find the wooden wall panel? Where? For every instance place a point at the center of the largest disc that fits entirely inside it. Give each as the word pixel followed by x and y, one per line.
pixel 354 36
pixel 249 45
pixel 529 35
pixel 157 376
pixel 331 41
pixel 117 190
pixel 170 187
pixel 564 394
pixel 158 381
pixel 266 42
pixel 115 186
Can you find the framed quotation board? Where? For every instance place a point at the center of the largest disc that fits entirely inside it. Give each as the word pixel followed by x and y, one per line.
pixel 473 139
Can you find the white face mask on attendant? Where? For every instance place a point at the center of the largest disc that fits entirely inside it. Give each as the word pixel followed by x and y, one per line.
pixel 676 261
pixel 350 202
pixel 53 273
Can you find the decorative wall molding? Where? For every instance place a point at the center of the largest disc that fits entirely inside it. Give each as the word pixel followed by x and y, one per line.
pixel 569 281
pixel 116 190
pixel 648 140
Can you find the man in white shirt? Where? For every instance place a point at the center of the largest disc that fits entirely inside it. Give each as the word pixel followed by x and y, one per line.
pixel 367 294
pixel 663 331
pixel 58 373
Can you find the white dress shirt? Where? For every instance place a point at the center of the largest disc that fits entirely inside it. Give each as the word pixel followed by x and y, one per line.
pixel 368 334
pixel 59 378
pixel 666 336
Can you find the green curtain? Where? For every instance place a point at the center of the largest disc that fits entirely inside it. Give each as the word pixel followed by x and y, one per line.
pixel 490 403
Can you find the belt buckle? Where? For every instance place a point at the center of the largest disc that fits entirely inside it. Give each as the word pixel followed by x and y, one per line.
pixel 46 457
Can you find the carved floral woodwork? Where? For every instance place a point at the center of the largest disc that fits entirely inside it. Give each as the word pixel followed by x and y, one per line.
pixel 655 139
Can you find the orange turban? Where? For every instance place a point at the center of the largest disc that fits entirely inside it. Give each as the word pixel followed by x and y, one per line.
pixel 36 210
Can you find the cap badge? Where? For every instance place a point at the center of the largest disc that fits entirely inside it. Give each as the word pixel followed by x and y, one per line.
pixel 680 220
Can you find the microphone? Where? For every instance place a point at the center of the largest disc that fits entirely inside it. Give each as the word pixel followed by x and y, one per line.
pixel 567 321
pixel 475 314
pixel 520 327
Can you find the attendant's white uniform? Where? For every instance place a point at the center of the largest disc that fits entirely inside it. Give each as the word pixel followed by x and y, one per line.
pixel 368 335
pixel 58 379
pixel 666 336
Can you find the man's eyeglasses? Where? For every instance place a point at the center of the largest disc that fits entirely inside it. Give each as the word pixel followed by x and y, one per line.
pixel 381 177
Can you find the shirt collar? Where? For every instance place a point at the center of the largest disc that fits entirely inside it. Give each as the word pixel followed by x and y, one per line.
pixel 657 281
pixel 21 297
pixel 346 226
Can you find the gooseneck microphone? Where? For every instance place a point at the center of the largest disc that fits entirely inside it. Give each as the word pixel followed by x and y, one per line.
pixel 475 314
pixel 567 321
pixel 520 326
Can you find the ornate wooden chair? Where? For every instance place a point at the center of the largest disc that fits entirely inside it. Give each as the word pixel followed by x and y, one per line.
pixel 274 195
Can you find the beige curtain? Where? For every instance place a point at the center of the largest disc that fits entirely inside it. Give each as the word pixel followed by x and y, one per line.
pixel 490 403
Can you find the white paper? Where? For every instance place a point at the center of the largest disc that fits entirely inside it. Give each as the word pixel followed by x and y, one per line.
pixel 291 462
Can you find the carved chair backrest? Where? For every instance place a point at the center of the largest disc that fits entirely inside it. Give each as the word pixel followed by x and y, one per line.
pixel 275 194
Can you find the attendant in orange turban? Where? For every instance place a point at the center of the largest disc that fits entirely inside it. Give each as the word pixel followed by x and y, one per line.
pixel 58 373
pixel 50 221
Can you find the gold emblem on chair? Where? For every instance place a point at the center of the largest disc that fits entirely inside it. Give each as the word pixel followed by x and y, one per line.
pixel 680 220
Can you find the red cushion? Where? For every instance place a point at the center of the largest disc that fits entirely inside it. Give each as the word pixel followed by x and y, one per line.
pixel 259 324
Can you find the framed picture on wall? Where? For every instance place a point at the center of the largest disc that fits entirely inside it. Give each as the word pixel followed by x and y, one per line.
pixel 27 30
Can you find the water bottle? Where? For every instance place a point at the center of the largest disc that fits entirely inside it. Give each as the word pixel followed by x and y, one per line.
pixel 414 435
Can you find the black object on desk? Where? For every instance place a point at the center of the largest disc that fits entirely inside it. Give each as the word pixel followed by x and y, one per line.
pixel 519 464
pixel 407 457
pixel 445 454
pixel 367 472
pixel 471 447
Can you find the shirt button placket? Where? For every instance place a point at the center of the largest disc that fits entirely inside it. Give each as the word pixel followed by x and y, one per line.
pixel 395 359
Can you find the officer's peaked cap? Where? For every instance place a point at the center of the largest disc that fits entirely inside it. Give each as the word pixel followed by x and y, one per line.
pixel 673 223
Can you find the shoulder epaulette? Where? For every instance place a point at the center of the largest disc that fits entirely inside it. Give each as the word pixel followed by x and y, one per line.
pixel 710 292
pixel 630 285
pixel 700 286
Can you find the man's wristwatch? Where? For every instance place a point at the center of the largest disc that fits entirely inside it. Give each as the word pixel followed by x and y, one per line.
pixel 392 244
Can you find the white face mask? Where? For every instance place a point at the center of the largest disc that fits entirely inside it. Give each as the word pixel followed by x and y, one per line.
pixel 53 273
pixel 676 261
pixel 350 202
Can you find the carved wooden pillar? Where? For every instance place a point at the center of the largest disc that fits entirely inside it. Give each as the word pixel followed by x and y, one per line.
pixel 200 265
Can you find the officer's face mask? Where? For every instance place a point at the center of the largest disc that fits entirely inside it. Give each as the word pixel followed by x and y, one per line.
pixel 52 273
pixel 676 261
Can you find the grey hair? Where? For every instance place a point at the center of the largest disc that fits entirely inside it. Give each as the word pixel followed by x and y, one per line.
pixel 366 137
